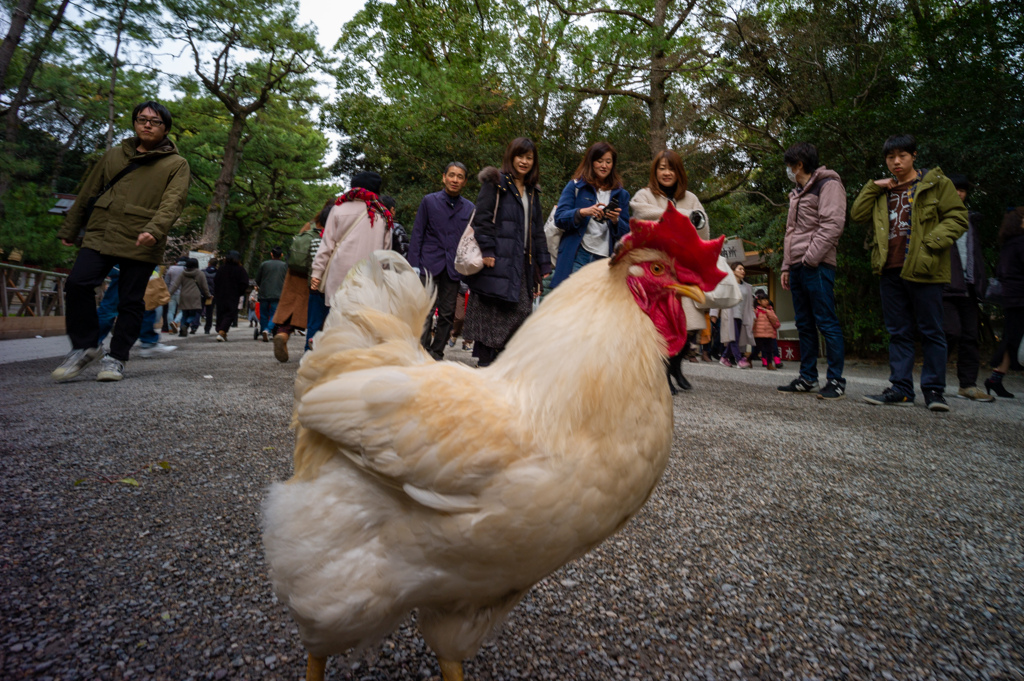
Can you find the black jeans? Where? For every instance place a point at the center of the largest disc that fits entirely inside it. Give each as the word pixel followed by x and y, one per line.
pixel 82 322
pixel 906 305
pixel 208 311
pixel 447 296
pixel 960 322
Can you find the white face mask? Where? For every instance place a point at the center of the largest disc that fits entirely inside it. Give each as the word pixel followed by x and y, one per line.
pixel 790 174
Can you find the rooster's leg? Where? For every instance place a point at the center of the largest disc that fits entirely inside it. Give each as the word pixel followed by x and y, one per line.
pixel 450 671
pixel 315 667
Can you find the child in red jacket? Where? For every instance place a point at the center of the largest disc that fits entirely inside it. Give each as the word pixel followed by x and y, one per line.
pixel 766 325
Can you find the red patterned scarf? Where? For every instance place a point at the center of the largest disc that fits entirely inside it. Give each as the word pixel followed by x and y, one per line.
pixel 372 201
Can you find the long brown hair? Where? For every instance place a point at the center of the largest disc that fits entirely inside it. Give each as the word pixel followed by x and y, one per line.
pixel 585 170
pixel 675 162
pixel 521 146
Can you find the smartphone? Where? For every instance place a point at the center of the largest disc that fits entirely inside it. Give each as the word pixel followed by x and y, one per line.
pixel 612 205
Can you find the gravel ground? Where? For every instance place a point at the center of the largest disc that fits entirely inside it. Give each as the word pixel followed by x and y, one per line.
pixel 790 538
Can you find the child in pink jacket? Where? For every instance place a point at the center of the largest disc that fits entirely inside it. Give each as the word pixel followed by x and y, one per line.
pixel 766 325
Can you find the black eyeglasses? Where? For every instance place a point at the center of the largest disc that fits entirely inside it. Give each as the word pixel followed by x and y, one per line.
pixel 154 122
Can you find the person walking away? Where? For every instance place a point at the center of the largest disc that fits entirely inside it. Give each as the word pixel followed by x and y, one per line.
pixel 766 333
pixel 440 221
pixel 211 279
pixel 193 291
pixel 316 312
pixel 593 212
pixel 1010 273
pixel 135 192
pixel 509 228
pixel 667 182
pixel 357 225
pixel 232 283
pixel 294 304
pixel 269 282
pixel 960 299
pixel 173 308
pixel 737 323
pixel 917 216
pixel 817 216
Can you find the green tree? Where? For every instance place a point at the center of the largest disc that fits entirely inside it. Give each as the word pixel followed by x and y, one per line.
pixel 221 37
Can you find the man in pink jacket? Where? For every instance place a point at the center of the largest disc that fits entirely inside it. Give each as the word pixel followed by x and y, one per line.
pixel 817 215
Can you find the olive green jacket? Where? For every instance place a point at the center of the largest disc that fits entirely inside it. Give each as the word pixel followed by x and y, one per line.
pixel 148 199
pixel 938 219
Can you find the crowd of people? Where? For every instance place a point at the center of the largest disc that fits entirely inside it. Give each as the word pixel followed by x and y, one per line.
pixel 924 244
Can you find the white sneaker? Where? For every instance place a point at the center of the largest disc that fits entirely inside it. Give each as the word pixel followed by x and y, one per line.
pixel 110 369
pixel 148 350
pixel 74 362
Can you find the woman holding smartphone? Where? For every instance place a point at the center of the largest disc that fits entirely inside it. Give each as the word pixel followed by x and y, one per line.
pixel 593 212
pixel 510 230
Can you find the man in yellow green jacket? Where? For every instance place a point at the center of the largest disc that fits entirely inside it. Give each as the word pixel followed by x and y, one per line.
pixel 917 215
pixel 124 211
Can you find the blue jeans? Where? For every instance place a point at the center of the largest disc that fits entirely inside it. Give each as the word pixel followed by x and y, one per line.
pixel 107 310
pixel 583 258
pixel 190 318
pixel 149 336
pixel 316 314
pixel 814 304
pixel 268 306
pixel 907 305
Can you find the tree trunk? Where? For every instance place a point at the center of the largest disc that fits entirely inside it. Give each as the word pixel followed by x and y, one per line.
pixel 30 73
pixel 659 98
pixel 19 18
pixel 113 75
pixel 13 117
pixel 222 187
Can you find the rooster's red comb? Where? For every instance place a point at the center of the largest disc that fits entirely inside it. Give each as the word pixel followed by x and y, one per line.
pixel 675 236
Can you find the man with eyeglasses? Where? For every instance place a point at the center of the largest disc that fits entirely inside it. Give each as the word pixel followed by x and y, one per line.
pixel 124 210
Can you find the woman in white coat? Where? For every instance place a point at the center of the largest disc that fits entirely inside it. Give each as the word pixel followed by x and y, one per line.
pixel 668 182
pixel 358 225
pixel 737 328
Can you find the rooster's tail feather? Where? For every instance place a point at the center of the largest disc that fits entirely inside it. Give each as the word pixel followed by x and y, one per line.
pixel 381 306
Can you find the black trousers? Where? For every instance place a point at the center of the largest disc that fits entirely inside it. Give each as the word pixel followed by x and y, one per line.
pixel 960 322
pixel 82 322
pixel 447 296
pixel 208 311
pixel 227 315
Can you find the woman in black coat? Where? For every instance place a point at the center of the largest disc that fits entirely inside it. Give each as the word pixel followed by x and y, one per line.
pixel 1011 275
pixel 509 227
pixel 232 283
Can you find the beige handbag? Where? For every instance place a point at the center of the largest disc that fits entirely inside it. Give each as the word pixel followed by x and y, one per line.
pixel 468 257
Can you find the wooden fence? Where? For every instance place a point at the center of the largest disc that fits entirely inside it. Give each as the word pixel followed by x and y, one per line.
pixel 27 292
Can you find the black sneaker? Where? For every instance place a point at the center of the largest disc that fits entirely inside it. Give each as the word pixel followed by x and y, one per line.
pixel 889 396
pixel 799 386
pixel 934 400
pixel 833 390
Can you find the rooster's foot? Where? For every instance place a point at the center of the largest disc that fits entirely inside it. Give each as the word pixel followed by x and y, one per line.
pixel 315 668
pixel 450 671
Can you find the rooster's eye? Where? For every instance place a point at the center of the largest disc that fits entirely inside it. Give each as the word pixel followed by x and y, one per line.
pixel 657 269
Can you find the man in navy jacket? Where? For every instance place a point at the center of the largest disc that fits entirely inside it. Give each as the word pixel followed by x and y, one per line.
pixel 440 222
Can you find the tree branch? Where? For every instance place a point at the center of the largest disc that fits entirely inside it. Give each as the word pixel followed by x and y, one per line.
pixel 604 10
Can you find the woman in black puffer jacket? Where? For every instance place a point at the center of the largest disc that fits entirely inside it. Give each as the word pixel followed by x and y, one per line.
pixel 509 227
pixel 1011 275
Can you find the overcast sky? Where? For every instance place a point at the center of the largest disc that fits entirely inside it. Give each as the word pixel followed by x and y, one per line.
pixel 327 15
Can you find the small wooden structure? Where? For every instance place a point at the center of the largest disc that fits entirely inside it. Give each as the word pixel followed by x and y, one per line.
pixel 31 302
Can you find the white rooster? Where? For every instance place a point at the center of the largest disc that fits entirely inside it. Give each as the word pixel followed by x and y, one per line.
pixel 435 486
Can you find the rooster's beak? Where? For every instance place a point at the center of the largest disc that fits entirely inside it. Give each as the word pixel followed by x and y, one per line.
pixel 688 291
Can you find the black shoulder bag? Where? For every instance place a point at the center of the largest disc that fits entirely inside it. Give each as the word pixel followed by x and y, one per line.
pixel 91 204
